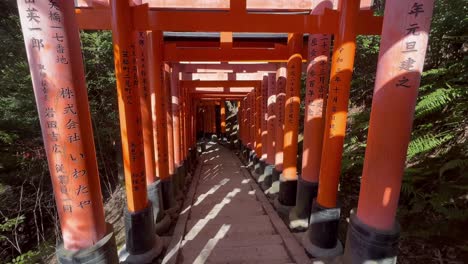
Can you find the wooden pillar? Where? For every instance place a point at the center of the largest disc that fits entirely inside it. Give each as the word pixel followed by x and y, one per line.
pixel 223 117
pixel 56 66
pixel 264 120
pixel 271 118
pixel 316 90
pixel 279 123
pixel 176 118
pixel 288 182
pixel 129 107
pixel 401 60
pixel 323 228
pixel 170 120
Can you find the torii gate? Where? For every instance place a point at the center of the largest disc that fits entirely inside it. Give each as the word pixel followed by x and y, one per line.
pixel 158 141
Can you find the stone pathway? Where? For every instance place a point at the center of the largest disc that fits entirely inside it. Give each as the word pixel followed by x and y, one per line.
pixel 228 220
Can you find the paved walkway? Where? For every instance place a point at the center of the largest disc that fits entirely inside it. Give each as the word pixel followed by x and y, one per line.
pixel 228 220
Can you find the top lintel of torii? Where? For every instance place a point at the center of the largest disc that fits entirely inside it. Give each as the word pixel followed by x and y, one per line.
pixel 256 16
pixel 273 5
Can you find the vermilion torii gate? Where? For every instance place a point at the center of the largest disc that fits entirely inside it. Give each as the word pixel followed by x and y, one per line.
pixel 161 99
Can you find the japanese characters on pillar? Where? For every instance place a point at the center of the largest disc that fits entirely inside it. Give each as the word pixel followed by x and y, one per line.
pixel 337 103
pixel 271 118
pixel 280 101
pixel 158 102
pixel 401 60
pixel 145 105
pixel 129 107
pixel 316 89
pixel 291 107
pixel 264 117
pixel 258 120
pixel 52 44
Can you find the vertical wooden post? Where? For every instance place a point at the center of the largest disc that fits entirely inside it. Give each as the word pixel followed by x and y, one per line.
pixel 223 118
pixel 56 66
pixel 159 114
pixel 161 220
pixel 270 97
pixel 279 122
pixel 401 60
pixel 288 180
pixel 139 209
pixel 316 90
pixel 323 229
pixel 264 120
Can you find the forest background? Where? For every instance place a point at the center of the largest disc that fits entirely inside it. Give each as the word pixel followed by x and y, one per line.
pixel 433 207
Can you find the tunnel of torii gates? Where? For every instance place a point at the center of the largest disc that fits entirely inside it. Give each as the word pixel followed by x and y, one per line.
pixel 175 71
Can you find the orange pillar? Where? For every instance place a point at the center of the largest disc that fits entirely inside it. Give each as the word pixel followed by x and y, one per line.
pixel 316 90
pixel 56 66
pixel 279 122
pixel 161 219
pixel 257 104
pixel 223 118
pixel 288 181
pixel 264 120
pixel 170 122
pixel 139 209
pixel 129 107
pixel 323 231
pixel 401 60
pixel 176 119
pixel 270 116
pixel 159 117
pixel 337 104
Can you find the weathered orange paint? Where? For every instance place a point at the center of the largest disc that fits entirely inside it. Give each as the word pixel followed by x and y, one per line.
pixel 316 91
pixel 202 21
pixel 291 107
pixel 176 118
pixel 142 58
pixel 62 104
pixel 396 88
pixel 222 4
pixel 264 118
pixel 170 118
pixel 158 102
pixel 258 120
pixel 280 101
pixel 271 118
pixel 337 103
pixel 129 107
pixel 223 116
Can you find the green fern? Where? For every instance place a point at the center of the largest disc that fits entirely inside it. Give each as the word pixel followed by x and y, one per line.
pixel 426 143
pixel 435 101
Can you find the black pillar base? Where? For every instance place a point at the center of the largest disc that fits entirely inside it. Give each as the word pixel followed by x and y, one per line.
pixel 142 245
pixel 286 197
pixel 261 168
pixel 299 215
pixel 265 179
pixel 203 147
pixel 161 220
pixel 103 252
pixel 365 244
pixel 275 176
pixel 273 191
pixel 167 191
pixel 321 239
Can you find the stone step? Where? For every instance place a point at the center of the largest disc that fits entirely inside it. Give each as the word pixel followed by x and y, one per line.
pixel 251 254
pixel 191 252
